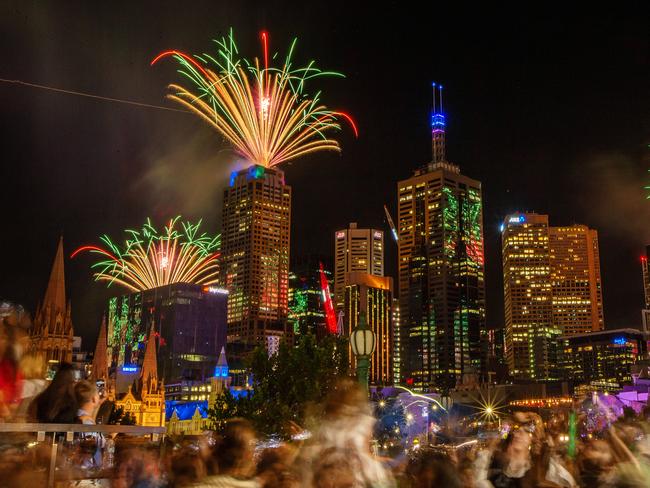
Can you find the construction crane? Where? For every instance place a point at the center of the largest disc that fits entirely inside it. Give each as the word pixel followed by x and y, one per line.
pixel 391 223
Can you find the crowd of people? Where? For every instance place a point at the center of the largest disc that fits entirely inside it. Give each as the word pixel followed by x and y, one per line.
pixel 526 451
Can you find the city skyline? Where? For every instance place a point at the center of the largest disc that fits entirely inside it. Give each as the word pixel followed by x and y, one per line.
pixel 131 183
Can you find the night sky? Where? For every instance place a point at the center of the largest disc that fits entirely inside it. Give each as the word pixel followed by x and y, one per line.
pixel 549 111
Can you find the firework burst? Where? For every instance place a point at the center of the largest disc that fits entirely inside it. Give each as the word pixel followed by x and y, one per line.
pixel 263 111
pixel 149 258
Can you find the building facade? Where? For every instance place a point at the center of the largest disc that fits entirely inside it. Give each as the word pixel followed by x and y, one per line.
pixel 397 358
pixel 191 324
pixel 255 256
pixel 603 357
pixel 359 250
pixel 372 295
pixel 52 333
pixel 575 279
pixel 145 400
pixel 441 271
pixel 306 298
pixel 552 286
pixel 531 337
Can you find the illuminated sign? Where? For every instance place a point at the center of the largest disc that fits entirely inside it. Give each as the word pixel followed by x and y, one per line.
pixel 340 234
pixel 377 235
pixel 214 289
pixel 620 341
pixel 128 368
pixel 517 219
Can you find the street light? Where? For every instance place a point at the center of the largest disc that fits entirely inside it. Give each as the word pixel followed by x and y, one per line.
pixel 362 340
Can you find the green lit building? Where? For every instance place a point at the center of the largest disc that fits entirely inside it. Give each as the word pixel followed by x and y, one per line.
pixel 441 272
pixel 306 307
pixel 189 322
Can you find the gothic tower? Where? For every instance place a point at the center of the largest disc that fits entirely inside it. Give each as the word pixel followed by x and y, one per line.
pixel 51 335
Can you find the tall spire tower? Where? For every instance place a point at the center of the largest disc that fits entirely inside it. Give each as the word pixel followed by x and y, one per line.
pixel 441 286
pixel 100 359
pixel 52 333
pixel 437 127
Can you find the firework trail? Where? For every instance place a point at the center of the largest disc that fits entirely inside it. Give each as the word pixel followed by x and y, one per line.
pixel 263 111
pixel 150 259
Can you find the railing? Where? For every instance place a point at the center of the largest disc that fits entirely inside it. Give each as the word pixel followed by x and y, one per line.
pixel 156 434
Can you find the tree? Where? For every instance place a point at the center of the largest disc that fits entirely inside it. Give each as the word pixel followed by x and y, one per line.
pixel 287 384
pixel 119 417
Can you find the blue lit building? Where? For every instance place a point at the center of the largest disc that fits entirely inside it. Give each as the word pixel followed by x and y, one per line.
pixel 604 357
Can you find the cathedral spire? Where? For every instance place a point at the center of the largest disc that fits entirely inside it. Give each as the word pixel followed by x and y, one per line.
pixel 55 293
pixel 100 360
pixel 150 363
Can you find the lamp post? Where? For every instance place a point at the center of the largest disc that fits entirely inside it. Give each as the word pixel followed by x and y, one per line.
pixel 362 340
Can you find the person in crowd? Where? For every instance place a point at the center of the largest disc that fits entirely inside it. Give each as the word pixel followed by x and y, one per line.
pixel 432 468
pixel 347 425
pixel 234 457
pixel 10 377
pixel 57 404
pixel 88 401
pixel 186 468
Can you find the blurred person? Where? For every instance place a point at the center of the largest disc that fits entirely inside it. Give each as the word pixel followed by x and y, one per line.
pixel 336 468
pixel 10 377
pixel 347 424
pixel 186 468
pixel 57 404
pixel 274 467
pixel 138 468
pixel 32 367
pixel 595 463
pixel 234 457
pixel 431 468
pixel 88 401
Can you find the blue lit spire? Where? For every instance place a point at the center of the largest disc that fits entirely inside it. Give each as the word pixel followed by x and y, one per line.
pixel 221 370
pixel 438 125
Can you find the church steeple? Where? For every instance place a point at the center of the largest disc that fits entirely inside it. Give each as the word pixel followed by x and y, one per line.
pixel 55 293
pixel 52 333
pixel 150 362
pixel 100 359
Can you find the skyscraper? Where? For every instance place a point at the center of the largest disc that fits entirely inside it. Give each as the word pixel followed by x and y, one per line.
pixel 306 300
pixel 645 270
pixel 441 270
pixel 372 295
pixel 575 279
pixel 552 286
pixel 52 332
pixel 255 250
pixel 356 250
pixel 531 337
pixel 397 357
pixel 190 321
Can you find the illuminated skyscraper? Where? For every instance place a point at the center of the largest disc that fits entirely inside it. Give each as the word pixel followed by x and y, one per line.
pixel 306 301
pixel 441 270
pixel 255 250
pixel 645 270
pixel 575 279
pixel 356 250
pixel 397 357
pixel 531 337
pixel 372 295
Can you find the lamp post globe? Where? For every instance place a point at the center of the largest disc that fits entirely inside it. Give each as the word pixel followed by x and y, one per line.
pixel 363 341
